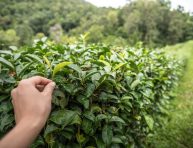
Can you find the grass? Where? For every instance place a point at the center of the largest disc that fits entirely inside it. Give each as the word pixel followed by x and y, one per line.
pixel 178 132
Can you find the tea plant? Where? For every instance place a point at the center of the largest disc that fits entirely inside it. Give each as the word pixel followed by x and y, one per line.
pixel 105 96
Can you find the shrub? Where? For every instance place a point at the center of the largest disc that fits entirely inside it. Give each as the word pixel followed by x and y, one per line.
pixel 105 96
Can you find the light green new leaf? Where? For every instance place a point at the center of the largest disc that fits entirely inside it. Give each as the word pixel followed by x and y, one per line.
pixel 150 122
pixel 47 61
pixel 135 83
pixel 80 138
pixel 119 66
pixel 6 63
pixel 59 66
pixel 104 62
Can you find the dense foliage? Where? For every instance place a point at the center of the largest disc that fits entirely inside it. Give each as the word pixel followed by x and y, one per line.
pixel 153 22
pixel 105 96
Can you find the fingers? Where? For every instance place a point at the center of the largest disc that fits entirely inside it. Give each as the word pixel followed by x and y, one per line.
pixel 48 90
pixel 13 93
pixel 37 80
pixel 40 87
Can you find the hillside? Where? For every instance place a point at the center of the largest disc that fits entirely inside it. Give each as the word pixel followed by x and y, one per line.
pixel 152 22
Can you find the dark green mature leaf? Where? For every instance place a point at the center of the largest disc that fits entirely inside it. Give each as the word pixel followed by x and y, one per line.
pixel 6 63
pixel 100 143
pixel 107 134
pixel 89 115
pixel 87 126
pixel 6 120
pixel 83 101
pixel 116 119
pixel 59 98
pixel 117 139
pixel 101 117
pixel 35 57
pixel 90 74
pixel 90 89
pixel 6 52
pixel 50 129
pixel 75 67
pixel 65 117
pixel 22 70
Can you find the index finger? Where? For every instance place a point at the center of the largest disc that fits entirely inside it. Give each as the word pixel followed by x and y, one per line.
pixel 38 80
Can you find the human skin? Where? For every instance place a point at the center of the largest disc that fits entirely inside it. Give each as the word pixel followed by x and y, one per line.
pixel 32 105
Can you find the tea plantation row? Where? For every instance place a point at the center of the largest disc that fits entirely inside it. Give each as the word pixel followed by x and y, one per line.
pixel 105 96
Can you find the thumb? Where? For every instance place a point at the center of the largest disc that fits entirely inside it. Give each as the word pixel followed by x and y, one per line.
pixel 48 90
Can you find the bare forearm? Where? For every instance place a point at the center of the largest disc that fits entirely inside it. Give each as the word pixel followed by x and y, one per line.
pixel 21 136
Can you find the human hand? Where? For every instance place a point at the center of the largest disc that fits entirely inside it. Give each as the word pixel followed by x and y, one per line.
pixel 32 105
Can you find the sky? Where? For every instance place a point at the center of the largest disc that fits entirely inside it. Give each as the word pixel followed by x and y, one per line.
pixel 187 4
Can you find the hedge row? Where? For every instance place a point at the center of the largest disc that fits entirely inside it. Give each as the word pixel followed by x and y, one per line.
pixel 105 96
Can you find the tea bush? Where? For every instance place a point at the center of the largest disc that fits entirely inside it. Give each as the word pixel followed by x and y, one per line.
pixel 105 96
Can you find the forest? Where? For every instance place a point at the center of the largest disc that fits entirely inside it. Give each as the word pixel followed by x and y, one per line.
pixel 152 22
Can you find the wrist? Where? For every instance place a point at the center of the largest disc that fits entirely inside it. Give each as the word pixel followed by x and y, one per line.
pixel 32 124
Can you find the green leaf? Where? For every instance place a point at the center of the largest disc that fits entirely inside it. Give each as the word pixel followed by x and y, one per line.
pixel 17 56
pixel 34 57
pixel 89 115
pixel 59 99
pixel 50 129
pixel 80 138
pixel 117 139
pixel 21 71
pixel 47 61
pixel 134 66
pixel 6 121
pixel 117 119
pixel 65 117
pixel 150 122
pixel 102 63
pixel 90 89
pixel 84 101
pixel 102 57
pixel 135 83
pixel 118 66
pixel 100 143
pixel 101 117
pixel 87 126
pixel 90 74
pixel 76 68
pixel 6 52
pixel 6 63
pixel 60 66
pixel 107 134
